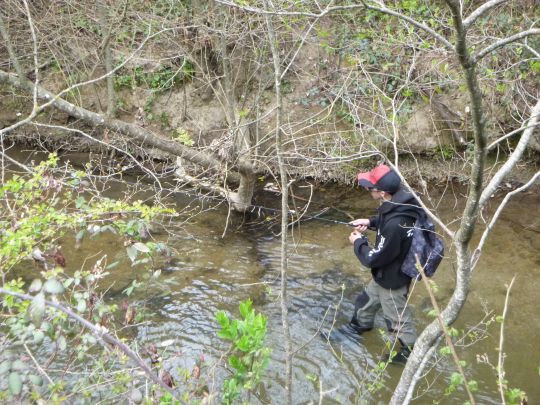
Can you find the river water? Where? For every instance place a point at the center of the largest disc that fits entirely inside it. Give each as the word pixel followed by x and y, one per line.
pixel 207 272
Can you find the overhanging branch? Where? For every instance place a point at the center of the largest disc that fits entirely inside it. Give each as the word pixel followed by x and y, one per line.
pixel 329 10
pixel 141 135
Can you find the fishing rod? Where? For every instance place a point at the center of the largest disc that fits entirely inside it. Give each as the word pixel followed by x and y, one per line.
pixel 220 200
pixel 252 208
pixel 302 217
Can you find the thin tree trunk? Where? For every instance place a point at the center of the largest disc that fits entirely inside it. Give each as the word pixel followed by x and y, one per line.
pixel 105 28
pixel 284 211
pixel 7 43
pixel 241 199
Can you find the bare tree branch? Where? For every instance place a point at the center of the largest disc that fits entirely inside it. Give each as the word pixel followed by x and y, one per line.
pixel 412 21
pixel 16 163
pixel 107 144
pixel 532 50
pixel 9 46
pixel 508 135
pixel 500 363
pixel 22 82
pixel 284 209
pixel 101 334
pixel 143 136
pixel 495 217
pixel 329 10
pixel 444 328
pixel 34 53
pixel 467 22
pixel 38 366
pixel 514 157
pixel 505 41
pixel 434 217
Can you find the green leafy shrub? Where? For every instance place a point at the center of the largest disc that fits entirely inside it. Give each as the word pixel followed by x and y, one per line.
pixel 248 356
pixel 182 136
pixel 38 208
pixel 161 79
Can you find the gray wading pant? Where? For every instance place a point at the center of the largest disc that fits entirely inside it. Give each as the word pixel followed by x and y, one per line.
pixel 396 312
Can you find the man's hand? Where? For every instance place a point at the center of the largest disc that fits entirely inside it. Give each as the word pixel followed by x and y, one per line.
pixel 360 224
pixel 355 235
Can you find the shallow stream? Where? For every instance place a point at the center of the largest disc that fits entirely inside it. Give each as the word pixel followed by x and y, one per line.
pixel 209 272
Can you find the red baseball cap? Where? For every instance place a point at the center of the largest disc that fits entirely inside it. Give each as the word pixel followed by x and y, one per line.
pixel 381 178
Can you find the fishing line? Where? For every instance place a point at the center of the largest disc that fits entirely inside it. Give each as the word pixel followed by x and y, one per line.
pixel 252 208
pixel 220 200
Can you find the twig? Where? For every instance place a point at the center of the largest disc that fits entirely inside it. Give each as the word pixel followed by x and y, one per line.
pixel 508 135
pixel 40 369
pixel 467 22
pixel 419 371
pixel 500 365
pixel 495 217
pixel 322 323
pixel 322 393
pixel 445 331
pixel 505 41
pixel 100 334
pixel 514 157
pixel 330 10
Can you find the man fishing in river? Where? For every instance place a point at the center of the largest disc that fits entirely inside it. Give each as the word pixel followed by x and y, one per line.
pixel 389 287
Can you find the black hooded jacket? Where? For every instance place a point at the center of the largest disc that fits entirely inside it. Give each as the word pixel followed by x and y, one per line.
pixel 392 244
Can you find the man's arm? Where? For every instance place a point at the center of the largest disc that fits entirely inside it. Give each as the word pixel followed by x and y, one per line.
pixel 387 249
pixel 365 223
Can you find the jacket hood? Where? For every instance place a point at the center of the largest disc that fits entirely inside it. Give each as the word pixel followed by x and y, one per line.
pixel 403 202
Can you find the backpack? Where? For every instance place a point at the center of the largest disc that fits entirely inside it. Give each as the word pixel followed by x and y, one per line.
pixel 425 244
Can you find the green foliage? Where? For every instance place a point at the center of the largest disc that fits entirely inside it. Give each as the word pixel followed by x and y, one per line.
pixel 534 65
pixel 286 87
pixel 248 356
pixel 37 209
pixel 163 78
pixel 83 23
pixel 447 152
pixel 42 211
pixel 164 119
pixel 34 201
pixel 515 396
pixel 171 9
pixel 149 106
pixel 122 81
pixel 344 113
pixel 182 136
pixel 445 351
pixel 456 379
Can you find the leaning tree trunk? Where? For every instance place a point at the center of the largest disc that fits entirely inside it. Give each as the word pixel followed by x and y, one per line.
pixel 240 134
pixel 239 172
pixel 429 338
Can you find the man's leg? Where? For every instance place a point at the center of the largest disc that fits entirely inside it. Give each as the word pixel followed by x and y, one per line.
pixel 365 307
pixel 399 319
